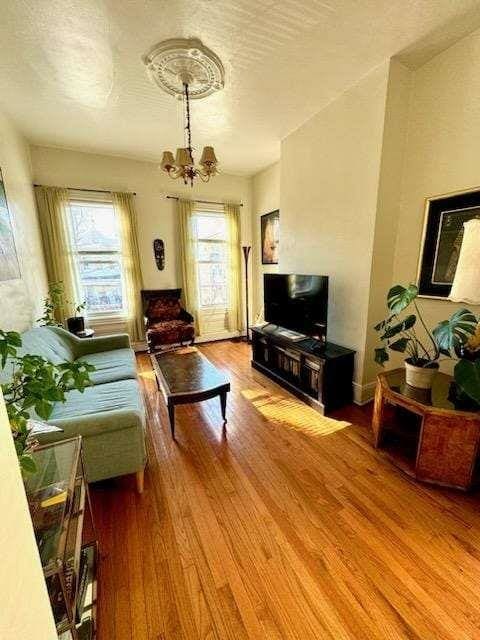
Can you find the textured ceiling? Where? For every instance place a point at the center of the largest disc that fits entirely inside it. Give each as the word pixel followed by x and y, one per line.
pixel 71 72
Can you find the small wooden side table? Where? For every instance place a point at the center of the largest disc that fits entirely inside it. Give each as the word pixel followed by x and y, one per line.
pixel 422 432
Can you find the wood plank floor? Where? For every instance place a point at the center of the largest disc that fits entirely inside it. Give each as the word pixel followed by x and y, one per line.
pixel 273 532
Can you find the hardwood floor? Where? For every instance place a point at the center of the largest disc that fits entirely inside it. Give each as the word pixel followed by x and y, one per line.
pixel 273 531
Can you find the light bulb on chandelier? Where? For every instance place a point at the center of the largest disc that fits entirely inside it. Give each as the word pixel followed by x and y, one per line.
pixel 187 69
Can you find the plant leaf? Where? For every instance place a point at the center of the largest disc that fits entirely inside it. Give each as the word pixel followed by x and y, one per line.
pixel 467 376
pixel 27 463
pixel 381 356
pixel 398 328
pixel 453 333
pixel 399 345
pixel 399 297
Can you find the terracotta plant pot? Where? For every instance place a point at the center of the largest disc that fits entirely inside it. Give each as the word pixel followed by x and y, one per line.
pixel 420 377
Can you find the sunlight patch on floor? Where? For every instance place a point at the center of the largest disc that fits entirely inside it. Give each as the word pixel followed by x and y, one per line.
pixel 147 375
pixel 292 413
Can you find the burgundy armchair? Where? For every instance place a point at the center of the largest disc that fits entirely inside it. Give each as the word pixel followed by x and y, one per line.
pixel 166 322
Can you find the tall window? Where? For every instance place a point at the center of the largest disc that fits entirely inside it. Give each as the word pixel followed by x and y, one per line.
pixel 212 259
pixel 96 248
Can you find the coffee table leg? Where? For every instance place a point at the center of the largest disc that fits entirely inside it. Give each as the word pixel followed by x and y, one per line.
pixel 223 404
pixel 171 415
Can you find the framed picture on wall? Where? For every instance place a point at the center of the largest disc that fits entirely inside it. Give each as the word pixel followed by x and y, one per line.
pixel 9 267
pixel 442 238
pixel 270 229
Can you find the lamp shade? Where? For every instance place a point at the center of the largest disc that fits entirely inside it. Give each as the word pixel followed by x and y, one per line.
pixel 208 157
pixel 466 284
pixel 168 161
pixel 183 158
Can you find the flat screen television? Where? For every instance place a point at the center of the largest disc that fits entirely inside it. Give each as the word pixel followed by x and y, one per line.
pixel 296 302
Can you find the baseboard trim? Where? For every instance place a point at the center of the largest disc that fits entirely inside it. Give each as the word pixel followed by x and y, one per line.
pixel 363 393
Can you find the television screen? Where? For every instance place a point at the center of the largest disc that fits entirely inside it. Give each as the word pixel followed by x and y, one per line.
pixel 296 302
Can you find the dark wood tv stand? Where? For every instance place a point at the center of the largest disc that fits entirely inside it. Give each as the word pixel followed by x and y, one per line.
pixel 321 377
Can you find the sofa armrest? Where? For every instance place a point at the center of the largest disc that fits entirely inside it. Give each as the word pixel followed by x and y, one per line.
pixel 85 346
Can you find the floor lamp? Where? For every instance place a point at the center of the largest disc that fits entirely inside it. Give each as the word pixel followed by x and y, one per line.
pixel 246 252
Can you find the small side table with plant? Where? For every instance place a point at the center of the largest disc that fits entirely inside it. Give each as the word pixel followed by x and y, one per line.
pixel 427 422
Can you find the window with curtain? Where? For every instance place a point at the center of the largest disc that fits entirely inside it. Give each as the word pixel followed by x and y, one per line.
pixel 96 247
pixel 212 259
pixel 215 247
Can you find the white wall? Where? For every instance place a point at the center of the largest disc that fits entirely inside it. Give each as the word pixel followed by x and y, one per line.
pixel 442 152
pixel 25 608
pixel 21 299
pixel 329 181
pixel 156 214
pixel 266 198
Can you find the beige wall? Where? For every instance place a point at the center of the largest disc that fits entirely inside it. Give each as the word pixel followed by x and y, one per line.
pixel 156 214
pixel 442 152
pixel 266 198
pixel 330 171
pixel 21 299
pixel 388 210
pixel 25 608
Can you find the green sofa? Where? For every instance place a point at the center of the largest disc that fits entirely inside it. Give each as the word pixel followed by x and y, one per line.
pixel 110 414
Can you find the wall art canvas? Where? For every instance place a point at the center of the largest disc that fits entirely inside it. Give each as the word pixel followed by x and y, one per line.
pixel 443 234
pixel 9 267
pixel 270 230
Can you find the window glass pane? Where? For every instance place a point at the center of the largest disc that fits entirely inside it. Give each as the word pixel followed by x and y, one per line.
pixel 213 296
pixel 101 283
pixel 211 227
pixel 94 227
pixel 212 251
pixel 213 284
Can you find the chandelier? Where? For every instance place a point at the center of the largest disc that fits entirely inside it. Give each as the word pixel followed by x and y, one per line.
pixel 185 68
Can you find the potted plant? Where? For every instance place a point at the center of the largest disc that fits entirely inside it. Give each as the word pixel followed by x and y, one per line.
pixel 465 389
pixel 398 333
pixel 54 302
pixel 51 303
pixel 76 323
pixel 34 385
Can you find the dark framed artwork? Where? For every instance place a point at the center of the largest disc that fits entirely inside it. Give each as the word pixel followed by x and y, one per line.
pixel 442 239
pixel 9 267
pixel 270 230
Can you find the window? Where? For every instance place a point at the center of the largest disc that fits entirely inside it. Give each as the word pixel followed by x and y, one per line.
pixel 212 259
pixel 96 248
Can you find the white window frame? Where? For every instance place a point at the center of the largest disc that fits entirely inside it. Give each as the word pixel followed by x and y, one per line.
pixel 96 316
pixel 214 213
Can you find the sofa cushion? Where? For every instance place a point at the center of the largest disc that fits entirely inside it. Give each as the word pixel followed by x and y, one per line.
pixel 170 332
pixel 100 409
pixel 111 366
pixel 50 342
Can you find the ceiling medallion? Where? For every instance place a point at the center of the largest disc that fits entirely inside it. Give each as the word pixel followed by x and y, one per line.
pixel 185 68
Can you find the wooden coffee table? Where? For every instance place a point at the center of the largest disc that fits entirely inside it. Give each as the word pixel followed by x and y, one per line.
pixel 185 376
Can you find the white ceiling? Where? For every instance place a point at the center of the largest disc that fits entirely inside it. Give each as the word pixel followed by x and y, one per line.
pixel 71 73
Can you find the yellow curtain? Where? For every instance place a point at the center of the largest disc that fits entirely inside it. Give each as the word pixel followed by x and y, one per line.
pixel 234 315
pixel 52 204
pixel 125 210
pixel 188 258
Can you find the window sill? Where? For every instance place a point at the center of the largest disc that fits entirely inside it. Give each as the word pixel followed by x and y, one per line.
pixel 99 320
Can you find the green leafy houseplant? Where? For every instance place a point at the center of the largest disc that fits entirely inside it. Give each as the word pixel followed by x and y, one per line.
pixel 35 385
pixel 51 303
pixel 398 333
pixel 55 301
pixel 398 330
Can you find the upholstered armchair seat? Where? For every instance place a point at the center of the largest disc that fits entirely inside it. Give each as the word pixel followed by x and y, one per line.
pixel 166 322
